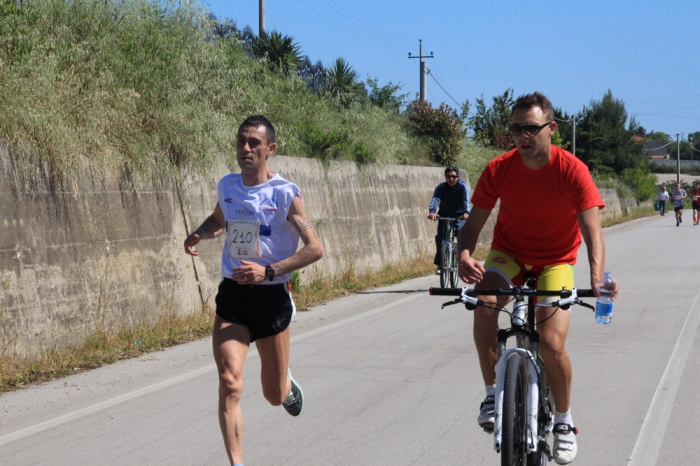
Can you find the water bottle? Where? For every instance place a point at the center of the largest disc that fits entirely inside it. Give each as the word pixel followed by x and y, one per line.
pixel 604 304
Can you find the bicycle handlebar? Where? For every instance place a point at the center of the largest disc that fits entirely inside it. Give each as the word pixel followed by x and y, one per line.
pixel 510 292
pixel 454 219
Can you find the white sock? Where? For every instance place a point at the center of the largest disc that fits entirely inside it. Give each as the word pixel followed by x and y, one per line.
pixel 563 418
pixel 490 390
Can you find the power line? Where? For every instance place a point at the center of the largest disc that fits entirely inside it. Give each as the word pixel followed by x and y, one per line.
pixel 385 32
pixel 340 27
pixel 443 89
pixel 441 75
pixel 666 100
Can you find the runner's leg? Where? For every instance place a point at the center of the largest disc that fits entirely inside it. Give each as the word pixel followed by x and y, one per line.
pixel 231 342
pixel 274 362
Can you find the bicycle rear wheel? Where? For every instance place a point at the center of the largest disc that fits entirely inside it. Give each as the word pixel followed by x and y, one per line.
pixel 445 265
pixel 514 446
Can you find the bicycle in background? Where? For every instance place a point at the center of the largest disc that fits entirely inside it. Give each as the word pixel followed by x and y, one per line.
pixel 448 253
pixel 523 418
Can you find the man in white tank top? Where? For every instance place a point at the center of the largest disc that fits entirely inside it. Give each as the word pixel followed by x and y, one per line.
pixel 263 217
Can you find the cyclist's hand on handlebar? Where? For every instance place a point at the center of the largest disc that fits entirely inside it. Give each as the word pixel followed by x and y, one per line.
pixel 432 216
pixel 470 270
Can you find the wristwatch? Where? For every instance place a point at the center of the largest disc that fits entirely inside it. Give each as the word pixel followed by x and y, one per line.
pixel 269 272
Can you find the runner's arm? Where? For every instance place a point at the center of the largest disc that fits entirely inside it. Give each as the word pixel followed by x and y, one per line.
pixel 212 227
pixel 312 249
pixel 592 232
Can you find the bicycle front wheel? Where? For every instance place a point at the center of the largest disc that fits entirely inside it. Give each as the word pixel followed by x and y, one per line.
pixel 514 446
pixel 445 265
pixel 453 269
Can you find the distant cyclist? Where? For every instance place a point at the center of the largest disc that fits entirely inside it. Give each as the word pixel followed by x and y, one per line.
pixel 696 203
pixel 452 197
pixel 548 201
pixel 678 195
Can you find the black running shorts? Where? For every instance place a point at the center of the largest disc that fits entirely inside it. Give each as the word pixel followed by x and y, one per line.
pixel 696 206
pixel 265 309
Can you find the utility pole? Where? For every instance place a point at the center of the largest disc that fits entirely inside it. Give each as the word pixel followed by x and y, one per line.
pixel 678 159
pixel 261 19
pixel 423 71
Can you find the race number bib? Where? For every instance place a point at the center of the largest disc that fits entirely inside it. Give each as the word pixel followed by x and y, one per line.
pixel 695 198
pixel 243 238
pixel 678 197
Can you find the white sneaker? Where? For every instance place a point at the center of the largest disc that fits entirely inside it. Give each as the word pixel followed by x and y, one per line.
pixel 565 448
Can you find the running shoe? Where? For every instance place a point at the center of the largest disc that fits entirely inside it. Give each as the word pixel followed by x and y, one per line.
pixel 295 400
pixel 486 414
pixel 680 219
pixel 565 448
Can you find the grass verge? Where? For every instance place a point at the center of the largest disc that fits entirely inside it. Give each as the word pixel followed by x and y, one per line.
pixel 641 212
pixel 102 348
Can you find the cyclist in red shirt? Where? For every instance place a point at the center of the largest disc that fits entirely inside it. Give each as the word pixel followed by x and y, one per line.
pixel 548 201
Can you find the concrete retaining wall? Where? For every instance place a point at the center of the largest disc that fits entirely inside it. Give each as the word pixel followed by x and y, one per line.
pixel 103 251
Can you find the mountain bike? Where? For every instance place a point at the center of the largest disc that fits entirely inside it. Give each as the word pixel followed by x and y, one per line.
pixel 448 264
pixel 523 409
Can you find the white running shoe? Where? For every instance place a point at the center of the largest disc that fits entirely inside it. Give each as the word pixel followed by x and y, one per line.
pixel 565 448
pixel 486 414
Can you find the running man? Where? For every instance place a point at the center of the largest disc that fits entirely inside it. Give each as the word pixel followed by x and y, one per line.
pixel 453 198
pixel 678 195
pixel 548 201
pixel 264 218
pixel 696 203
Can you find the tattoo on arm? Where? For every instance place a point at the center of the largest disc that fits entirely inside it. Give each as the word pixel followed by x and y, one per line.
pixel 302 225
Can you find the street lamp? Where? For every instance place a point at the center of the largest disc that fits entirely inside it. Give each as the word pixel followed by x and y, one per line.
pixel 678 158
pixel 690 141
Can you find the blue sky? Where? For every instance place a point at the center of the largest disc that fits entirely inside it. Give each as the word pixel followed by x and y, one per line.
pixel 645 51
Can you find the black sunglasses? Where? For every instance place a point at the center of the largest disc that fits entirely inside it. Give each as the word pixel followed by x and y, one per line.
pixel 452 177
pixel 530 130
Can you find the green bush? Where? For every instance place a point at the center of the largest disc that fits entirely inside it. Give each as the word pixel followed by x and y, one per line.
pixel 440 127
pixel 642 182
pixel 363 154
pixel 144 85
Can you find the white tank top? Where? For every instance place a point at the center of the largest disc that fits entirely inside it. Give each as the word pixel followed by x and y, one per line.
pixel 260 211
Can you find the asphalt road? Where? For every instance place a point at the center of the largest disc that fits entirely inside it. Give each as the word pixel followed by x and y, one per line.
pixel 391 379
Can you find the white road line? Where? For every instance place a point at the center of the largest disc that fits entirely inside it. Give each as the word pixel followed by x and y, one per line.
pixel 651 437
pixel 42 426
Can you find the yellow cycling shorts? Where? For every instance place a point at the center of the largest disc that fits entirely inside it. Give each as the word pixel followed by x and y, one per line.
pixel 549 277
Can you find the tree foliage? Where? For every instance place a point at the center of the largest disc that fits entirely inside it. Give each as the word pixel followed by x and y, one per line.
pixel 386 96
pixel 341 83
pixel 281 52
pixel 603 142
pixel 440 127
pixel 490 124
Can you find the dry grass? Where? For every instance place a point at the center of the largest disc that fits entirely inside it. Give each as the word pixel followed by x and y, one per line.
pixel 102 348
pixel 350 282
pixel 641 212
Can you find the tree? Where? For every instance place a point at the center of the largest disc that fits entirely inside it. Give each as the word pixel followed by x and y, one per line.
pixel 282 53
pixel 604 143
pixel 313 74
pixel 490 124
pixel 386 96
pixel 441 128
pixel 341 84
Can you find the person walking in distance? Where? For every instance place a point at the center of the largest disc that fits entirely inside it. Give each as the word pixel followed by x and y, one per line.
pixel 696 203
pixel 678 195
pixel 452 197
pixel 548 201
pixel 263 217
pixel 662 198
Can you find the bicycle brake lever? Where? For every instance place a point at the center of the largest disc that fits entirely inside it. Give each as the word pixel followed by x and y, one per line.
pixel 450 303
pixel 589 306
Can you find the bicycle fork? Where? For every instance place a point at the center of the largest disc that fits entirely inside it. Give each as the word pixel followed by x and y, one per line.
pixel 532 399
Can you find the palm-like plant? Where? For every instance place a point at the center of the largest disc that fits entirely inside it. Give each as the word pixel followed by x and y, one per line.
pixel 341 83
pixel 281 52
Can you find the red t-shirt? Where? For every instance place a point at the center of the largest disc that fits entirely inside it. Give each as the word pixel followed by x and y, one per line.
pixel 537 221
pixel 696 196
